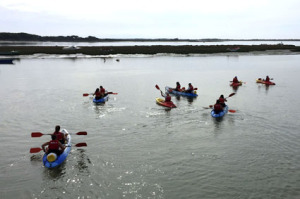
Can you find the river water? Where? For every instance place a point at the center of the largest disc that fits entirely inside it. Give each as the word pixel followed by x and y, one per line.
pixel 137 149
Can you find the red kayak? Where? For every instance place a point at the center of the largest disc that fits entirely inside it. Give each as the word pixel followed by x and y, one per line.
pixel 166 104
pixel 234 84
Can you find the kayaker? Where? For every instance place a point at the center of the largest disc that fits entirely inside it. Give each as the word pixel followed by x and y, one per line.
pixel 235 80
pixel 190 89
pixel 222 100
pixel 97 94
pixel 166 96
pixel 267 79
pixel 54 146
pixel 218 107
pixel 59 135
pixel 102 91
pixel 178 87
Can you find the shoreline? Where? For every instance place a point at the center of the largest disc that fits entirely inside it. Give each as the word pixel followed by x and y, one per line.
pixel 147 50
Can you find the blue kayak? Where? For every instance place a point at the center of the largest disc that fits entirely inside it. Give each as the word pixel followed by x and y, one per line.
pixel 101 100
pixel 172 91
pixel 220 114
pixel 61 158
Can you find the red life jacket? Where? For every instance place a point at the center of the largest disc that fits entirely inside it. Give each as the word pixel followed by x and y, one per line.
pixel 168 98
pixel 178 88
pixel 98 94
pixel 53 145
pixel 221 100
pixel 218 107
pixel 190 89
pixel 267 79
pixel 59 135
pixel 102 90
pixel 235 80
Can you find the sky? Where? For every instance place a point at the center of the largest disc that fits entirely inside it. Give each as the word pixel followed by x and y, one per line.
pixel 188 19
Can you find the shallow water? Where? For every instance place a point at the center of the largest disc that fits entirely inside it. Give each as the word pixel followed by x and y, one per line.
pixel 137 149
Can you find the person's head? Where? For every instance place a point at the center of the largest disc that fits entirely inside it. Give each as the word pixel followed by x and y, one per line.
pixel 235 77
pixel 101 86
pixel 167 94
pixel 177 83
pixel 97 90
pixel 222 96
pixel 190 84
pixel 57 128
pixel 53 137
pixel 217 102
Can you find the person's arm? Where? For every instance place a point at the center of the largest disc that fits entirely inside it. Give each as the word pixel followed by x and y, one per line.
pixel 61 146
pixel 162 94
pixel 45 144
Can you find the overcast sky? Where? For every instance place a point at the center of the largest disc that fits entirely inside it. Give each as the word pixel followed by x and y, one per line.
pixel 188 19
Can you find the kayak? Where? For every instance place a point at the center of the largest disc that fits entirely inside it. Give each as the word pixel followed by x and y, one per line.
pixel 166 104
pixel 261 81
pixel 220 114
pixel 234 84
pixel 101 100
pixel 61 158
pixel 171 91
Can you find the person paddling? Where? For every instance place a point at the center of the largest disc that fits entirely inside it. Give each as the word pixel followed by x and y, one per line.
pixel 97 94
pixel 235 80
pixel 222 100
pixel 166 96
pixel 190 89
pixel 102 91
pixel 59 135
pixel 218 107
pixel 54 146
pixel 267 78
pixel 178 87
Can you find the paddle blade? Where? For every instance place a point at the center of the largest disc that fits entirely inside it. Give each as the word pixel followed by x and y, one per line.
pixel 232 94
pixel 232 111
pixel 157 87
pixel 112 93
pixel 36 134
pixel 81 144
pixel 210 106
pixel 195 88
pixel 35 150
pixel 85 94
pixel 81 133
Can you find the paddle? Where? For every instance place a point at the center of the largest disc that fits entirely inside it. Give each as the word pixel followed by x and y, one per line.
pixel 157 87
pixel 87 94
pixel 38 149
pixel 39 134
pixel 232 94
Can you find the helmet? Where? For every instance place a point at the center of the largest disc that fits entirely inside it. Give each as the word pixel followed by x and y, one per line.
pixel 51 157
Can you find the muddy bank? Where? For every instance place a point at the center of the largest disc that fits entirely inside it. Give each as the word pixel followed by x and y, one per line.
pixel 111 50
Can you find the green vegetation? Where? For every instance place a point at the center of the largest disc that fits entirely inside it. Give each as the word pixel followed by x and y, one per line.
pixel 108 50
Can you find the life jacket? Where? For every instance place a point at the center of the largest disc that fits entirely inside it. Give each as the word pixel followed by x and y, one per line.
pixel 177 88
pixel 168 98
pixel 98 94
pixel 59 135
pixel 267 79
pixel 53 145
pixel 221 100
pixel 190 89
pixel 218 107
pixel 102 90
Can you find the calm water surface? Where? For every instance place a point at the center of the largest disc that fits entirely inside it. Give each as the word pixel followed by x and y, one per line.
pixel 137 149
